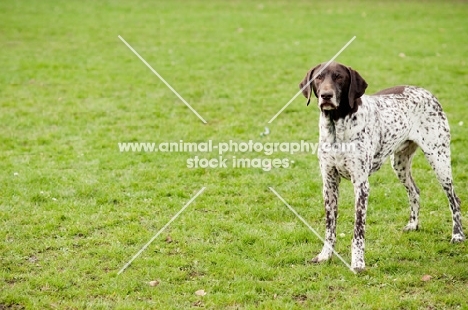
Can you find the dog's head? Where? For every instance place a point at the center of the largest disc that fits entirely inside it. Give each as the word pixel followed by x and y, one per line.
pixel 336 86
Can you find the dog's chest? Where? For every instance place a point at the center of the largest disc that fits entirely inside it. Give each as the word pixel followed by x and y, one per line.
pixel 363 140
pixel 342 140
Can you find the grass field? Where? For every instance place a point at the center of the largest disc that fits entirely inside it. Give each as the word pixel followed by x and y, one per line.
pixel 74 209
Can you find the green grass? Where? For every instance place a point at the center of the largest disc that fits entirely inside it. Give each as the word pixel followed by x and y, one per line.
pixel 74 210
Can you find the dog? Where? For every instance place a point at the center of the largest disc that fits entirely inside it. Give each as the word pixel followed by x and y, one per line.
pixel 393 122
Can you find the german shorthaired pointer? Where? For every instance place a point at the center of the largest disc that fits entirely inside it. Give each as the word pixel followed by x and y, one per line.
pixel 392 122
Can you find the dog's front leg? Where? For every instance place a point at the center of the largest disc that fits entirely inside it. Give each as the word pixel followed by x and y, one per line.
pixel 331 181
pixel 361 192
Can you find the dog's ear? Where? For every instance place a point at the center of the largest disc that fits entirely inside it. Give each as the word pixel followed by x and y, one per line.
pixel 307 91
pixel 357 86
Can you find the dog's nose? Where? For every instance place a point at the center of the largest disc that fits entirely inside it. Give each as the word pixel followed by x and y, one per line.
pixel 326 95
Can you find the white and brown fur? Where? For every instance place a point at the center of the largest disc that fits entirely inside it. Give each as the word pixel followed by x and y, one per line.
pixel 393 122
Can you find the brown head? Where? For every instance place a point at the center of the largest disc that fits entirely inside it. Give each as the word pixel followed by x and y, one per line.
pixel 337 87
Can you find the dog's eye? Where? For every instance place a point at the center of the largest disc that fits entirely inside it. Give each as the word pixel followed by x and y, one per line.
pixel 320 76
pixel 336 76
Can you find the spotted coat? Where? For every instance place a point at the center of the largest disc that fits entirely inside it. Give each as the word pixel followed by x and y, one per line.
pixel 391 123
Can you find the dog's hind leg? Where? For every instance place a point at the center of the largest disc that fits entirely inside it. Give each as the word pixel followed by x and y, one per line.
pixel 435 143
pixel 439 158
pixel 401 163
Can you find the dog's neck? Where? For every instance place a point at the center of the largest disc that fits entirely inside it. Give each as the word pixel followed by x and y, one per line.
pixel 333 120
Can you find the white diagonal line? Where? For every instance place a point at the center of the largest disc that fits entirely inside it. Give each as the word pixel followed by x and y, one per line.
pixel 162 79
pixel 160 231
pixel 313 230
pixel 308 83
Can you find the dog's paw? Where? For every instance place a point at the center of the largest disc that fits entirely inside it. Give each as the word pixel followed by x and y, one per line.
pixel 460 237
pixel 359 269
pixel 320 258
pixel 411 227
pixel 358 266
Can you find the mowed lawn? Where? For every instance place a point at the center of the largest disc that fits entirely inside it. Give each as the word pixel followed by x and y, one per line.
pixel 74 209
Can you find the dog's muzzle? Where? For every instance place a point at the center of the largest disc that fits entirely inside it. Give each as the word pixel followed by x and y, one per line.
pixel 327 100
pixel 326 106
